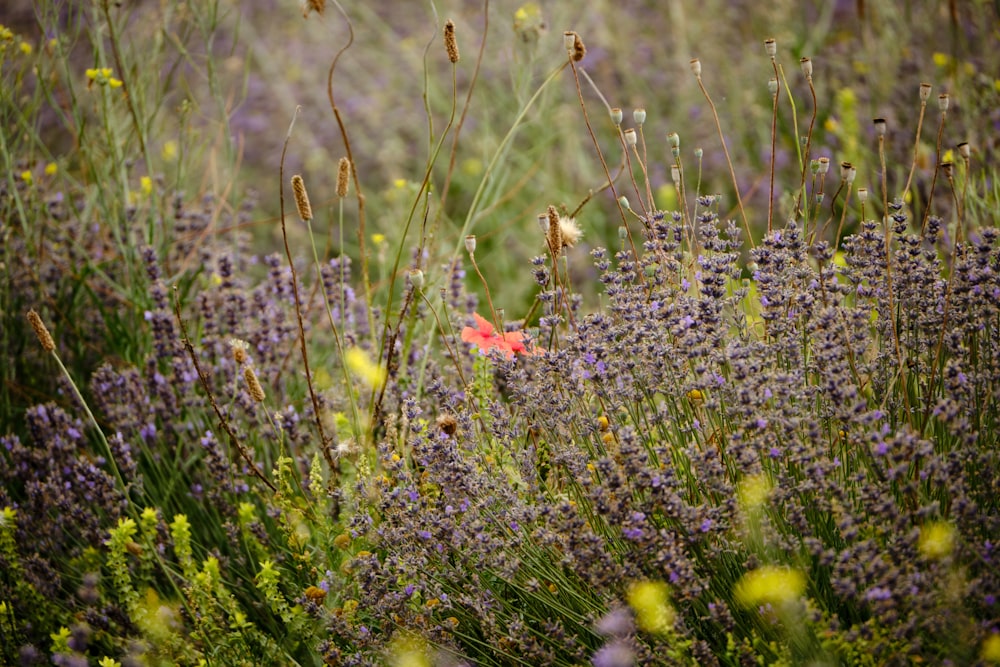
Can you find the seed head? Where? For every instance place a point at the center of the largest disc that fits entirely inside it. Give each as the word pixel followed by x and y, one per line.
pixel 824 165
pixel 771 47
pixel 807 67
pixel 880 126
pixel 554 233
pixel 616 115
pixel 543 222
pixel 343 176
pixel 943 100
pixel 845 170
pixel 772 86
pixel 253 384
pixel 862 195
pixel 639 116
pixel 44 337
pixel 630 137
pixel 579 50
pixel 925 92
pixel 301 198
pixel 696 67
pixel 450 43
pixel 313 6
pixel 239 349
pixel 447 423
pixel 674 140
pixel 470 244
pixel 964 150
pixel 416 277
pixel 569 231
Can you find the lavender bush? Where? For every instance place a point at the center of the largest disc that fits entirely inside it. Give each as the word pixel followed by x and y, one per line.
pixel 733 430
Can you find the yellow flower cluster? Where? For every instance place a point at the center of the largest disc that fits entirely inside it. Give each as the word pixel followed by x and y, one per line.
pixel 102 77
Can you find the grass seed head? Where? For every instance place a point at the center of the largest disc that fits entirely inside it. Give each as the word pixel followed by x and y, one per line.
pixel 301 198
pixel 450 43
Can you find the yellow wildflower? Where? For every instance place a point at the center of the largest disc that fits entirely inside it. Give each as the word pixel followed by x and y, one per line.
pixel 361 365
pixel 169 151
pixel 991 649
pixel 651 603
pixel 770 585
pixel 937 539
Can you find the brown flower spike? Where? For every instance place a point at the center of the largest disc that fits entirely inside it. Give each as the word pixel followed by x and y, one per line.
pixel 301 198
pixel 450 43
pixel 44 337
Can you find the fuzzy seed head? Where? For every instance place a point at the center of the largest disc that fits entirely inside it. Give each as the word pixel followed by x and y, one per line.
pixel 450 43
pixel 301 198
pixel 569 231
pixel 253 384
pixel 44 337
pixel 239 349
pixel 343 176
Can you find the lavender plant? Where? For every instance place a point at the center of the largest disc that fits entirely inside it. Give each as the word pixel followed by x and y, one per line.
pixel 730 437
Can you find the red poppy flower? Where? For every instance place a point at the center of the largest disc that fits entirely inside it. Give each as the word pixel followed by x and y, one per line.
pixel 485 337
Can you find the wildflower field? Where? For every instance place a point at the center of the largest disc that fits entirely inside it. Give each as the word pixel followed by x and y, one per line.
pixel 499 333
